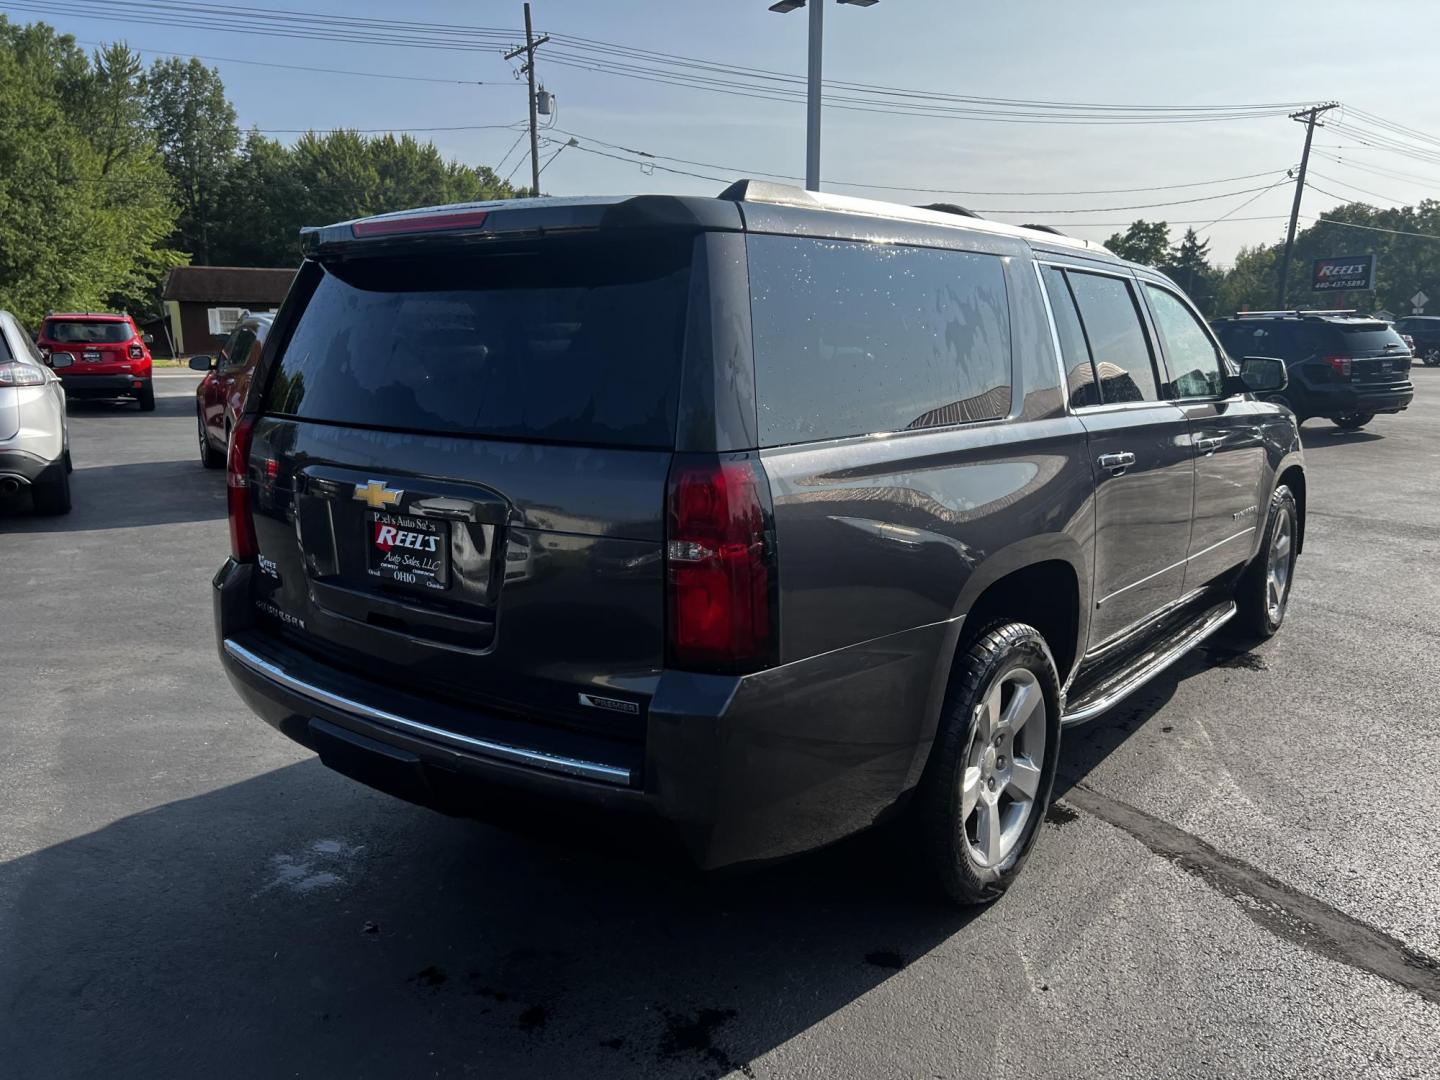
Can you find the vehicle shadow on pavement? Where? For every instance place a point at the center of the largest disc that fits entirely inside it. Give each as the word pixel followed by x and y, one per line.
pixel 123 408
pixel 126 496
pixel 1327 436
pixel 1085 746
pixel 298 924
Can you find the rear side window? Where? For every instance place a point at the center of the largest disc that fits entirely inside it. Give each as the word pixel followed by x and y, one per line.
pixel 1117 339
pixel 75 332
pixel 854 338
pixel 572 343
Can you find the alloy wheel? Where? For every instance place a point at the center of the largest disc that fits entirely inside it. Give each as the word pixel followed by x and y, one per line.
pixel 1279 566
pixel 1003 766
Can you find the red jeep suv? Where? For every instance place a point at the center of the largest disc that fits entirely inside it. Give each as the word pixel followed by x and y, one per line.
pixel 111 357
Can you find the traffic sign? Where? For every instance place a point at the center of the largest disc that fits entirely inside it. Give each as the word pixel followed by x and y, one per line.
pixel 1419 300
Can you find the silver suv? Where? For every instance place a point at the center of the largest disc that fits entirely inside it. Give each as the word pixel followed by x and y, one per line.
pixel 34 437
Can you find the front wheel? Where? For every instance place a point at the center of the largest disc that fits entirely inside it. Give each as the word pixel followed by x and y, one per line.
pixel 1431 356
pixel 1263 592
pixel 988 782
pixel 1352 421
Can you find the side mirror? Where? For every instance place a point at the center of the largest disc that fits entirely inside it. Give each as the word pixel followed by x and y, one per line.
pixel 1260 375
pixel 149 339
pixel 202 363
pixel 61 359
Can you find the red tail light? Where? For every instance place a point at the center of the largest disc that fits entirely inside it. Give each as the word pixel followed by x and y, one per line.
pixel 237 484
pixel 719 566
pixel 1341 365
pixel 137 352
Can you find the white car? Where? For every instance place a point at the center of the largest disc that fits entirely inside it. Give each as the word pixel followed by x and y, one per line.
pixel 34 436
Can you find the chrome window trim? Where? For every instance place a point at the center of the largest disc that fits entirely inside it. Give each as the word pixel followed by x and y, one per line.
pixel 1039 266
pixel 588 770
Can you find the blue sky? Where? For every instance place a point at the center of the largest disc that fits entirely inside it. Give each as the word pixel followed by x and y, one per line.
pixel 1120 52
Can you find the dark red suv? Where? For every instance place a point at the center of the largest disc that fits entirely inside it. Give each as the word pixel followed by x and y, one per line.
pixel 111 357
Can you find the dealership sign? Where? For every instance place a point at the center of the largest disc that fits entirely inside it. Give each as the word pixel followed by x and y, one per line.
pixel 1346 272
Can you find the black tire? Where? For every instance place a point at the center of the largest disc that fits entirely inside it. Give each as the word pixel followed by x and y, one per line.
pixel 51 496
pixel 1352 421
pixel 1258 617
pixel 950 840
pixel 209 456
pixel 1431 356
pixel 146 398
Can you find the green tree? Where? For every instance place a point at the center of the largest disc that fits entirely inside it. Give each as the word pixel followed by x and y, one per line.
pixel 272 191
pixel 85 204
pixel 1188 265
pixel 1144 242
pixel 194 126
pixel 1249 284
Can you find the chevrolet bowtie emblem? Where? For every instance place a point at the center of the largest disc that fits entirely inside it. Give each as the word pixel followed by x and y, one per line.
pixel 376 495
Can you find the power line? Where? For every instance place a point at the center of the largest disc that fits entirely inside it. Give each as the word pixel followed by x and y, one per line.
pixel 388 130
pixel 1226 216
pixel 307 68
pixel 664 68
pixel 903 187
pixel 1352 187
pixel 1375 228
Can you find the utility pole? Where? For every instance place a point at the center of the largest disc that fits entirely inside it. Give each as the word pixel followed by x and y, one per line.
pixel 531 44
pixel 1309 117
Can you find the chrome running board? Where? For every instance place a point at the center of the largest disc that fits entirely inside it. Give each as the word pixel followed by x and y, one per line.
pixel 1115 689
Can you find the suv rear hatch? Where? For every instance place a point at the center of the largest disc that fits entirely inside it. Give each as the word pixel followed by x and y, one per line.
pixel 100 346
pixel 458 473
pixel 1378 357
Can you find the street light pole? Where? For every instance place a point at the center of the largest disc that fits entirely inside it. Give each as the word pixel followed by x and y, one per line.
pixel 815 85
pixel 812 105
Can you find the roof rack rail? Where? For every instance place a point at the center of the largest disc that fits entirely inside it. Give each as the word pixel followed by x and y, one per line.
pixel 767 191
pixel 950 208
pixel 1298 312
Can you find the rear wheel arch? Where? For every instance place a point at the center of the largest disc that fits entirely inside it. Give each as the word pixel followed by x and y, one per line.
pixel 1044 594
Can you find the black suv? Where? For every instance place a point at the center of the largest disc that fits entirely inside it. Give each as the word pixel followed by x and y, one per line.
pixel 763 517
pixel 1424 330
pixel 1344 367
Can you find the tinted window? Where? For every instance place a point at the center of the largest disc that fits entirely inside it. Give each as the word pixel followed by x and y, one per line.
pixel 567 343
pixel 1079 372
pixel 1117 340
pixel 72 332
pixel 5 354
pixel 858 338
pixel 1368 337
pixel 1191 356
pixel 236 350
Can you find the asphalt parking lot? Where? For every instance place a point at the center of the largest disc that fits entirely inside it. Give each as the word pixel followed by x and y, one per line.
pixel 1241 876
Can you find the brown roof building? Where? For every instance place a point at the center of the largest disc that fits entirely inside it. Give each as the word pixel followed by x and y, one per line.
pixel 203 303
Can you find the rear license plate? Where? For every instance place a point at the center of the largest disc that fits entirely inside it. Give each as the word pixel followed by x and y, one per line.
pixel 412 552
pixel 92 357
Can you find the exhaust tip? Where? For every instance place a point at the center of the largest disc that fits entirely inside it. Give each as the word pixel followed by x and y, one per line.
pixel 9 486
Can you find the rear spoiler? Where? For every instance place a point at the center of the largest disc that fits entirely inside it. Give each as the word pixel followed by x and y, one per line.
pixel 513 219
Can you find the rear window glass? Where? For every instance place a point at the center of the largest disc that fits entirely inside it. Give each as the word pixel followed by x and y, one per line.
pixel 565 343
pixel 855 338
pixel 1370 337
pixel 75 332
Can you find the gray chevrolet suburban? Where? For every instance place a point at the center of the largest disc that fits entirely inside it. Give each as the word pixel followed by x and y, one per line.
pixel 762 518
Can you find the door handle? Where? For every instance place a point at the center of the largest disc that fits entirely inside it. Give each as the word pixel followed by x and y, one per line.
pixel 1209 446
pixel 1117 463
